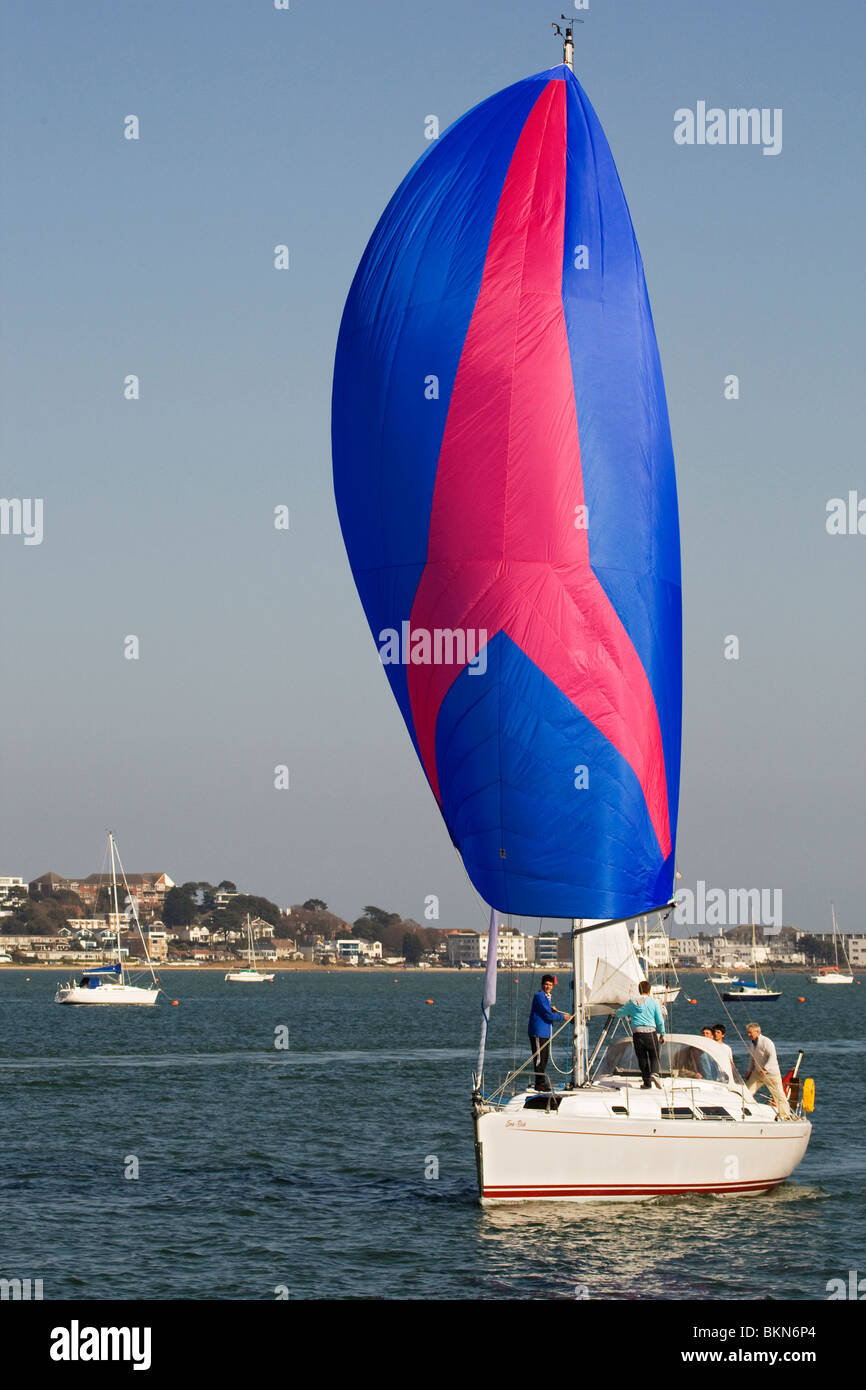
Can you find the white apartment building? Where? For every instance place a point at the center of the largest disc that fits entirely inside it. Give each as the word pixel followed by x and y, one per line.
pixel 353 950
pixel 470 947
pixel 697 948
pixel 658 951
pixel 510 947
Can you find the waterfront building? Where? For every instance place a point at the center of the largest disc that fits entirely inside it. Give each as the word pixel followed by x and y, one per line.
pixel 149 890
pixel 546 948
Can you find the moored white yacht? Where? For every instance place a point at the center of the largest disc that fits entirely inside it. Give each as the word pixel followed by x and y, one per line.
pixel 110 984
pixel 831 974
pixel 106 985
pixel 756 990
pixel 250 975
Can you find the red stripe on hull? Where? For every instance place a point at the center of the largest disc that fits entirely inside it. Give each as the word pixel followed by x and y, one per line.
pixel 602 1190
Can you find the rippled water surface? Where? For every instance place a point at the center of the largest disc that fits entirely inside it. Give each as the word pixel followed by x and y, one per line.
pixel 304 1166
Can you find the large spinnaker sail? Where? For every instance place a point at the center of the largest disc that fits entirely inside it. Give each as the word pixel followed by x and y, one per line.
pixel 505 484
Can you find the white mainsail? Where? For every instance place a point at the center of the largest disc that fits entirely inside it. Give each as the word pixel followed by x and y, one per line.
pixel 609 971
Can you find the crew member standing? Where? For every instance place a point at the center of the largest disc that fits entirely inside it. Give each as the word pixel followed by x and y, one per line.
pixel 764 1069
pixel 541 1020
pixel 719 1036
pixel 647 1023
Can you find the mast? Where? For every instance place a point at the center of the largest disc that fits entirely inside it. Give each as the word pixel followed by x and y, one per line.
pixel 114 900
pixel 133 908
pixel 578 1056
pixel 835 939
pixel 567 36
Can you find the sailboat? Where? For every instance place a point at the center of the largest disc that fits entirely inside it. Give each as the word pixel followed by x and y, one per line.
pixel 831 974
pixel 112 984
pixel 754 990
pixel 504 478
pixel 250 975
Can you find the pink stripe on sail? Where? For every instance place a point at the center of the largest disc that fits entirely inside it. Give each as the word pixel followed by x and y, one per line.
pixel 504 553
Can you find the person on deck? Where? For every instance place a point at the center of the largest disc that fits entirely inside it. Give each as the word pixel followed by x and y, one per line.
pixel 719 1035
pixel 708 1068
pixel 647 1032
pixel 764 1069
pixel 542 1017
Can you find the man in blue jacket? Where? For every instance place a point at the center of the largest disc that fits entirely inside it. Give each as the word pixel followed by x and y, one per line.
pixel 647 1022
pixel 541 1020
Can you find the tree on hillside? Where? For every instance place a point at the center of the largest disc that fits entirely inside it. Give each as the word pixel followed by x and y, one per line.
pixel 818 949
pixel 315 905
pixel 206 896
pixel 226 886
pixel 378 925
pixel 71 901
pixel 380 917
pixel 304 923
pixel 44 916
pixel 104 901
pixel 180 908
pixel 413 947
pixel 234 914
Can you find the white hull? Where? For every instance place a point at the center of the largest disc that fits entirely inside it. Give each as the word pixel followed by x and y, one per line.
pixel 250 975
pixel 615 1141
pixel 731 996
pixel 553 1158
pixel 832 979
pixel 666 994
pixel 107 994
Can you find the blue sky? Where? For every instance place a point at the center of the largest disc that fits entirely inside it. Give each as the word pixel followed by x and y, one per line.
pixel 155 257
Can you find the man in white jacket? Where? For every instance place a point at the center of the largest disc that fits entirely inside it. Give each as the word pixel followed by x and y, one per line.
pixel 764 1069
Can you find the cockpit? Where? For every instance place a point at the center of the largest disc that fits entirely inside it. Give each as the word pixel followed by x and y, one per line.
pixel 680 1059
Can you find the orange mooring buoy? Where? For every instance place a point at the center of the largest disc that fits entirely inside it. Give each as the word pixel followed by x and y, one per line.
pixel 801 998
pixel 693 1001
pixel 174 1003
pixel 428 1001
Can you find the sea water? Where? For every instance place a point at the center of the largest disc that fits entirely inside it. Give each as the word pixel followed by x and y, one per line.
pixel 312 1138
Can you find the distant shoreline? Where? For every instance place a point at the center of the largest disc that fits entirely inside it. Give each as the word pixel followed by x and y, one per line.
pixel 306 967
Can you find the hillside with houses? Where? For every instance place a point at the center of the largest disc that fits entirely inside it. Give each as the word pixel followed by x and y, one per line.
pixel 57 920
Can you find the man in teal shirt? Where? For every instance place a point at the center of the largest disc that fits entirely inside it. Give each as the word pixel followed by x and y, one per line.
pixel 647 1023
